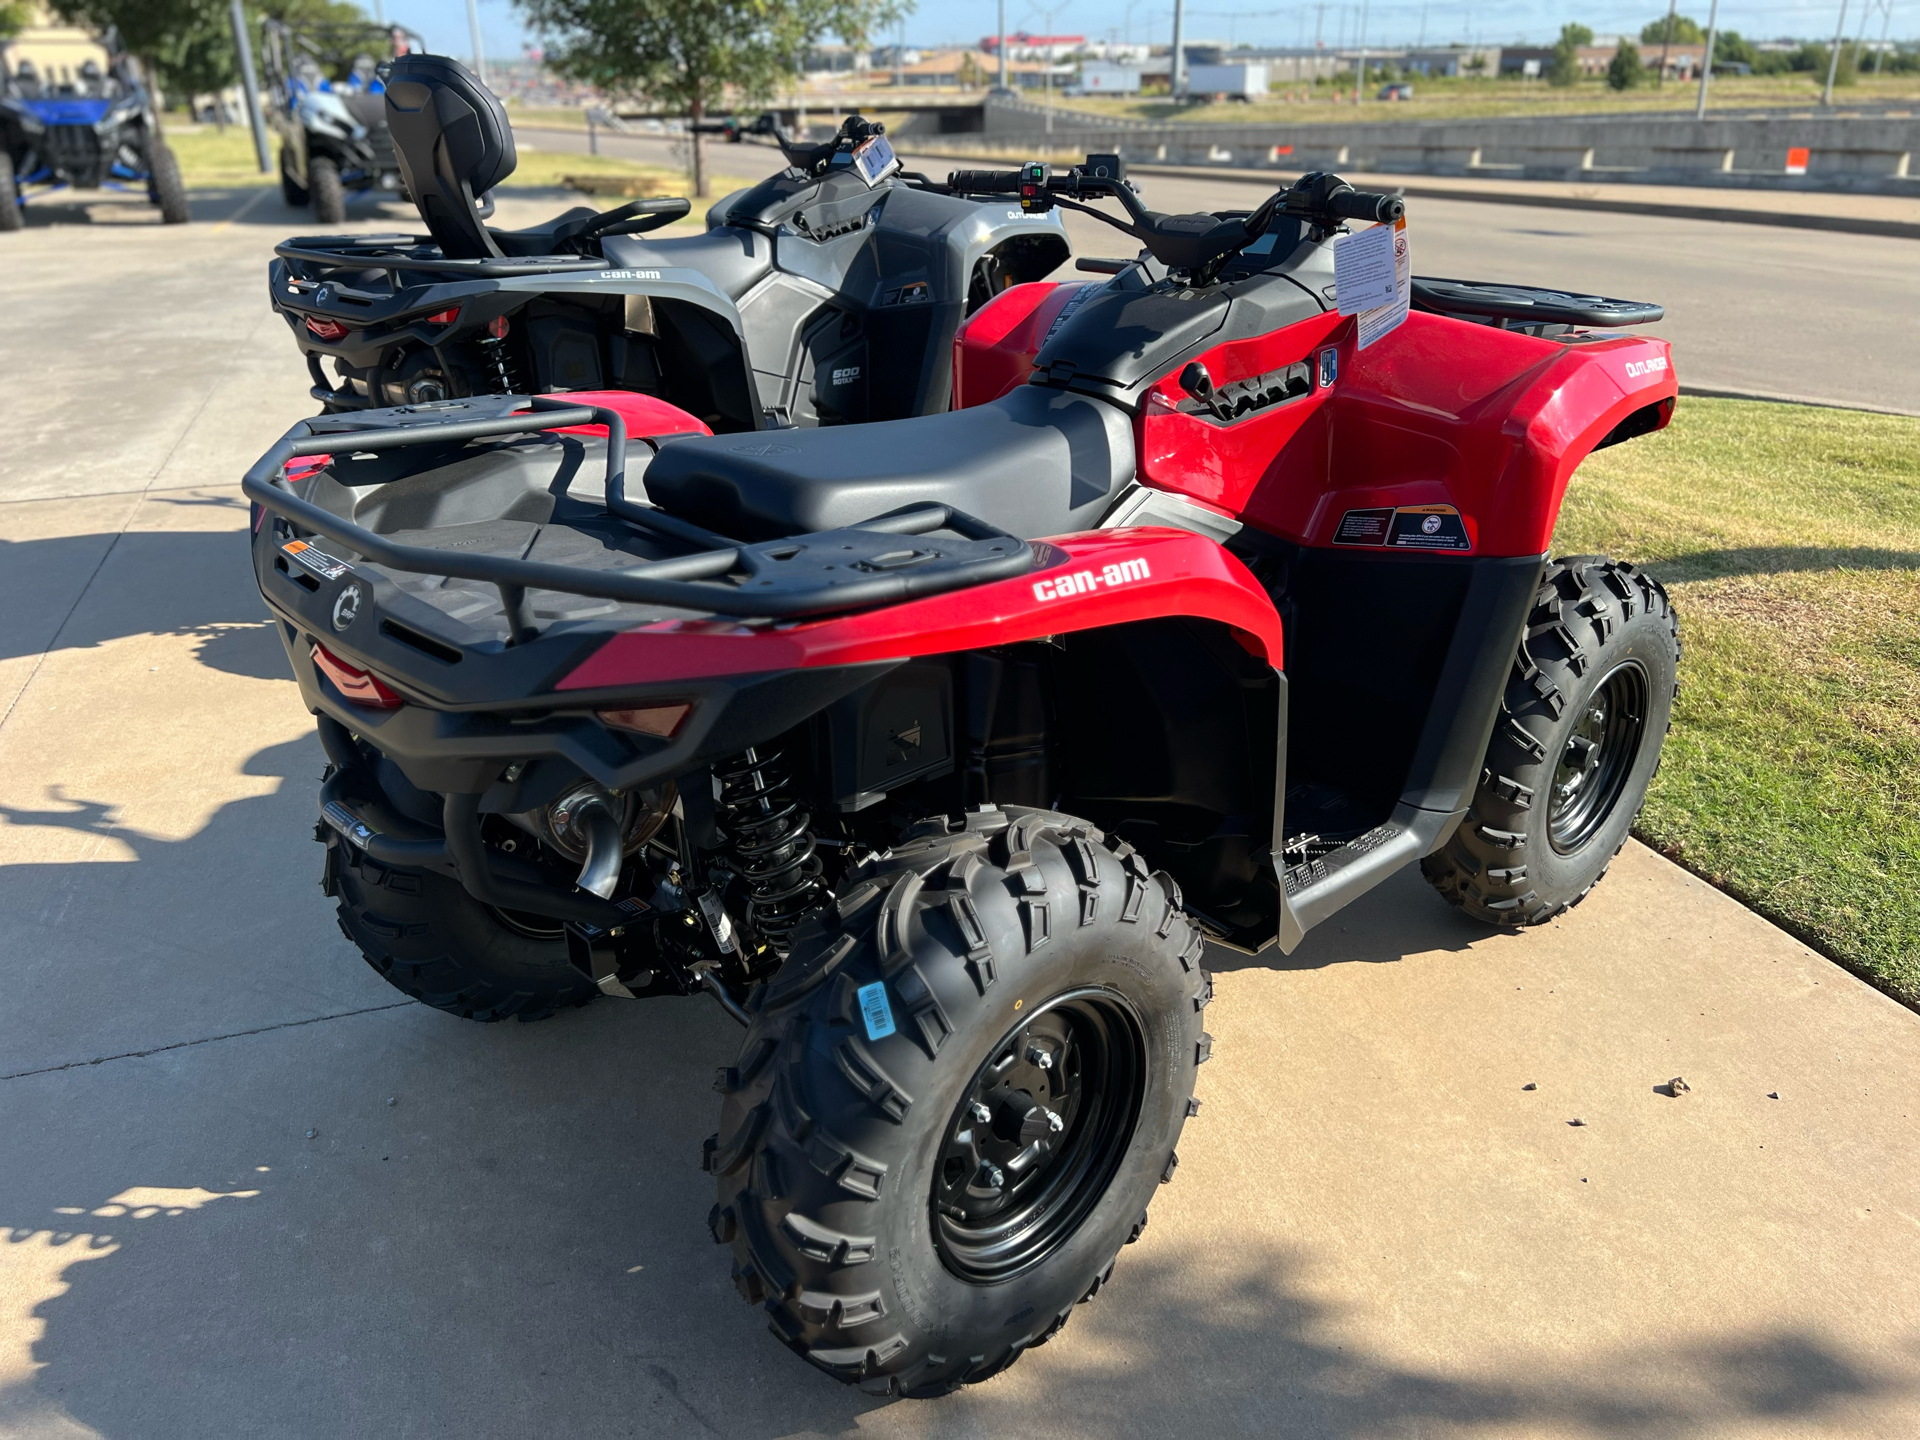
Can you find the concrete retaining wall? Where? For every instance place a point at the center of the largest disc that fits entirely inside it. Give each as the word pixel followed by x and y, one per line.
pixel 1874 154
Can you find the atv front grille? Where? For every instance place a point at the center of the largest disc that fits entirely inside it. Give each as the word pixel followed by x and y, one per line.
pixel 74 151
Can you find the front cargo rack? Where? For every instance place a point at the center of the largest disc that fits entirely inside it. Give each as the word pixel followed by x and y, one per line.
pixel 1492 303
pixel 860 566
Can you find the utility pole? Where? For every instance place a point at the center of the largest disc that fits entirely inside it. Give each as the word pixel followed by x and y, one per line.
pixel 1003 44
pixel 1706 61
pixel 479 52
pixel 1666 42
pixel 250 87
pixel 1360 66
pixel 1886 12
pixel 1177 70
pixel 1833 57
pixel 1423 27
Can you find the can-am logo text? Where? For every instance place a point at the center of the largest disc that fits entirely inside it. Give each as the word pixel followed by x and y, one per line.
pixel 1123 572
pixel 1637 368
pixel 628 275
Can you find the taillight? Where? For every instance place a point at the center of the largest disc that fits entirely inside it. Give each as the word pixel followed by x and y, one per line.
pixel 353 682
pixel 331 331
pixel 444 317
pixel 660 721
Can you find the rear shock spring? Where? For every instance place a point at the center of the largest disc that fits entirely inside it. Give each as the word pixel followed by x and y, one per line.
pixel 772 846
pixel 495 360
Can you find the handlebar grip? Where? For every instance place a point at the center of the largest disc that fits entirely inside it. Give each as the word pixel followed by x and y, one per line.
pixel 1367 205
pixel 985 182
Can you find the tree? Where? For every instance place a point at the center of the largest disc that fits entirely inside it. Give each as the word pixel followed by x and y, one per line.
pixel 14 17
pixel 1685 32
pixel 1565 69
pixel 1730 49
pixel 1625 70
pixel 688 54
pixel 188 44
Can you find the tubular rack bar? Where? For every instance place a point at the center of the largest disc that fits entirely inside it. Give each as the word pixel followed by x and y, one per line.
pixel 369 254
pixel 685 582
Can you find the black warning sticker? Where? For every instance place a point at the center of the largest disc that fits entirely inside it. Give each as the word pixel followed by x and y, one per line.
pixel 1363 527
pixel 1409 527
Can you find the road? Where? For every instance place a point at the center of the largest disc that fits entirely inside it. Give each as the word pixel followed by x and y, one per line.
pixel 1827 317
pixel 248 1190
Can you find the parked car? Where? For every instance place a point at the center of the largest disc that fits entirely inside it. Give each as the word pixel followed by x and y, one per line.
pixel 1399 90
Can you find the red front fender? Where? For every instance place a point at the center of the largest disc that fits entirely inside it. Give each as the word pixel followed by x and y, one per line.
pixel 1083 581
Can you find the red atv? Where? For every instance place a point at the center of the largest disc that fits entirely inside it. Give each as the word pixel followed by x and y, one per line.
pixel 937 751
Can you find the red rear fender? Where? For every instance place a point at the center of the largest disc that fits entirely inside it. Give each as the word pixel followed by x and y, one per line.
pixel 643 414
pixel 1441 413
pixel 1083 581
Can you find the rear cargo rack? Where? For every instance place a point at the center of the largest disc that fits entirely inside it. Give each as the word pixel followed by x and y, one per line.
pixel 857 567
pixel 1528 304
pixel 416 252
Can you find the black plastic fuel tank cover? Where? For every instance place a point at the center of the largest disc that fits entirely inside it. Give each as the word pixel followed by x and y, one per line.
pixel 1125 338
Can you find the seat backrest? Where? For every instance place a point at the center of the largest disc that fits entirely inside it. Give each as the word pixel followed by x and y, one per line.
pixel 453 144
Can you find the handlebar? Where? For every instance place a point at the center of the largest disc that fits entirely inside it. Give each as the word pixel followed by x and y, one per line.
pixel 1366 205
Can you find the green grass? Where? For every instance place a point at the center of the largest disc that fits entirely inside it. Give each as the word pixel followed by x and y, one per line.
pixel 1789 539
pixel 221 159
pixel 1471 98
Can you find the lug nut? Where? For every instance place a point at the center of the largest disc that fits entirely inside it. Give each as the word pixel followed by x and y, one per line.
pixel 991 1175
pixel 1040 1056
pixel 1055 1123
pixel 981 1114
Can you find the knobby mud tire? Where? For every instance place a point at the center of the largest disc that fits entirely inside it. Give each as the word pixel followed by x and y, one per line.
pixel 329 194
pixel 291 190
pixel 830 1140
pixel 165 185
pixel 428 938
pixel 11 217
pixel 1590 617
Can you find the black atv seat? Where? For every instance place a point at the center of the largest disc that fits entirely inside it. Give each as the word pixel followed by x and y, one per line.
pixel 735 260
pixel 1034 462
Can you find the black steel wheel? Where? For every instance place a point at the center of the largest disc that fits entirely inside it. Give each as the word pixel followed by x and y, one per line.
pixel 956 1098
pixel 1596 763
pixel 1574 748
pixel 1045 1126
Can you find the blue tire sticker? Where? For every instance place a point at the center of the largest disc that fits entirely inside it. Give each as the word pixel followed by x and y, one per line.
pixel 875 1010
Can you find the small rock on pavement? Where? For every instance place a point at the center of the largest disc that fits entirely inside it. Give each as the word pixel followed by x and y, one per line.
pixel 1529 1086
pixel 393 1099
pixel 1773 1095
pixel 312 1133
pixel 1576 1122
pixel 1677 1087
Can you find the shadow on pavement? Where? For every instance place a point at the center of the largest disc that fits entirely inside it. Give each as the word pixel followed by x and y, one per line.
pixel 229 620
pixel 498 1230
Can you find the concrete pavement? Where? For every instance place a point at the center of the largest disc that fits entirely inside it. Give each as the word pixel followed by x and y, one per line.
pixel 1376 1231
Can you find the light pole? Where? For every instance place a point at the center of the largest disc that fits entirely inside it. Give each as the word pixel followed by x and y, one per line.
pixel 1706 61
pixel 479 52
pixel 1003 44
pixel 1177 71
pixel 1833 58
pixel 1666 42
pixel 250 86
pixel 1360 66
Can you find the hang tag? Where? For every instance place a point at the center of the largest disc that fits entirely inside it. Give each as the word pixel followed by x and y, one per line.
pixel 1363 269
pixel 1383 319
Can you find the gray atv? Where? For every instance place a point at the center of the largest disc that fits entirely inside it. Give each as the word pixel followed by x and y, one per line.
pixel 828 293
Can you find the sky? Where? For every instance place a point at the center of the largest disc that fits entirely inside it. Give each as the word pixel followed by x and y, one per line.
pixel 443 23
